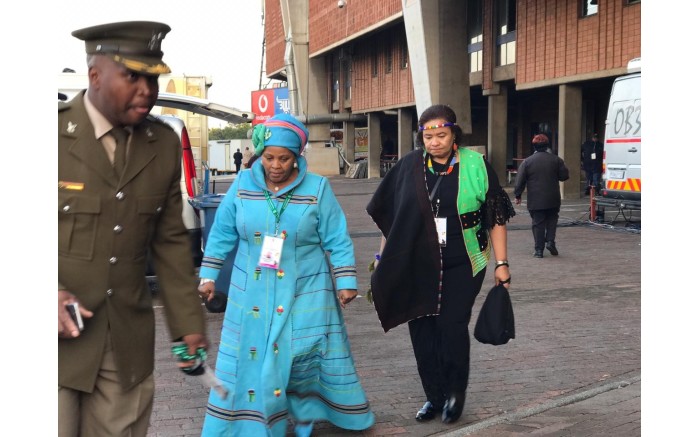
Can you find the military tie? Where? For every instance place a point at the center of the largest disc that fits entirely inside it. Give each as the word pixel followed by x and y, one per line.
pixel 121 136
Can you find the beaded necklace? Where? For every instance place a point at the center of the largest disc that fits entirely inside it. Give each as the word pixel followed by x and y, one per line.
pixel 449 169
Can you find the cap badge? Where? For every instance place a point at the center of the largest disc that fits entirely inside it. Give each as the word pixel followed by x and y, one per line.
pixel 155 41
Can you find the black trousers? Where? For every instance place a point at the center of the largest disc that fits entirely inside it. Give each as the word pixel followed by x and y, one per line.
pixel 441 343
pixel 544 226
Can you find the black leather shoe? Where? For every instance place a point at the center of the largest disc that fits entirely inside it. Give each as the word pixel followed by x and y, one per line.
pixel 552 248
pixel 453 408
pixel 426 413
pixel 538 254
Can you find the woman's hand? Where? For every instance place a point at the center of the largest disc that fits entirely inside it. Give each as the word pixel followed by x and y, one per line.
pixel 346 296
pixel 206 290
pixel 502 276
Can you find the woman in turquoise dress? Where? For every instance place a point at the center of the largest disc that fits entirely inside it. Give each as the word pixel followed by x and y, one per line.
pixel 284 352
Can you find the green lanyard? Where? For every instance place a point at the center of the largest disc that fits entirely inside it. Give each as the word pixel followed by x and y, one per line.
pixel 273 208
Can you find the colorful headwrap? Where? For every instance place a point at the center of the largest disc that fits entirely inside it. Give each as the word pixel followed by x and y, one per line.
pixel 435 126
pixel 282 130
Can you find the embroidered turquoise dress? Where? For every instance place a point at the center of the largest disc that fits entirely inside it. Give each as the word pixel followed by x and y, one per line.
pixel 284 351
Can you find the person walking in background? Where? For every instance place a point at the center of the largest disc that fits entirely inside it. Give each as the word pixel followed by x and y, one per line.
pixel 118 198
pixel 441 212
pixel 540 174
pixel 284 348
pixel 592 159
pixel 238 159
pixel 247 155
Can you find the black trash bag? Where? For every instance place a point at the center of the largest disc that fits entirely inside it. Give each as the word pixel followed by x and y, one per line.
pixel 496 322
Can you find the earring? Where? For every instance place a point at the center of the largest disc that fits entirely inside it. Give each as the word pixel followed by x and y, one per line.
pixel 295 164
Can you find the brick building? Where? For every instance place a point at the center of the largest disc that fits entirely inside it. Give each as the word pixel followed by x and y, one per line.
pixel 509 68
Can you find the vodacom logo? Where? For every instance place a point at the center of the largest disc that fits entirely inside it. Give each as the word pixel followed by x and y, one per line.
pixel 263 103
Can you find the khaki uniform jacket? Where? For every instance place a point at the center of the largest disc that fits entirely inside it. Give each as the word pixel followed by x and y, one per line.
pixel 105 226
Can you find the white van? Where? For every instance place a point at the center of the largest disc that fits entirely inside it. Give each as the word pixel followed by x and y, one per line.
pixel 622 156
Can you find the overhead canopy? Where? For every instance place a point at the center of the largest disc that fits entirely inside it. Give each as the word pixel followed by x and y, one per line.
pixel 204 107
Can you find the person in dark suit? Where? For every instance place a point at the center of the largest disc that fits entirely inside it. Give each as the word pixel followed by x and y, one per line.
pixel 541 173
pixel 592 159
pixel 238 159
pixel 119 197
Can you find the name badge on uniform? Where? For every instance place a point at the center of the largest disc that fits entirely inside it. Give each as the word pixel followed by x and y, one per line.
pixel 441 225
pixel 593 155
pixel 271 253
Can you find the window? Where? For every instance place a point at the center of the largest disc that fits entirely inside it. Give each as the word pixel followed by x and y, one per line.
pixel 475 34
pixel 347 78
pixel 375 61
pixel 335 79
pixel 388 58
pixel 404 56
pixel 505 32
pixel 589 7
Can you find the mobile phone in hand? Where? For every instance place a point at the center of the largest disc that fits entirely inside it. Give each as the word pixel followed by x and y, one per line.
pixel 75 314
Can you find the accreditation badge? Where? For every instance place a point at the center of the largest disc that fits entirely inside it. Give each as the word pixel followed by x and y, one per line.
pixel 271 253
pixel 441 225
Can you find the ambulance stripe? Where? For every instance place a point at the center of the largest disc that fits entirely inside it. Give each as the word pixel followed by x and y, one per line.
pixel 626 185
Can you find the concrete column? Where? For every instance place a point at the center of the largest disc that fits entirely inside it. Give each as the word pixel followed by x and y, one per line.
pixel 498 133
pixel 569 137
pixel 405 132
pixel 349 141
pixel 375 144
pixel 435 32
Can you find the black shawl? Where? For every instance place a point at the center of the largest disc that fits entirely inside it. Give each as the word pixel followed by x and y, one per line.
pixel 405 282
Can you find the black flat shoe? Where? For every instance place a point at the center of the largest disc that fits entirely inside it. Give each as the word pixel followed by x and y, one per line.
pixel 538 254
pixel 426 413
pixel 453 408
pixel 552 248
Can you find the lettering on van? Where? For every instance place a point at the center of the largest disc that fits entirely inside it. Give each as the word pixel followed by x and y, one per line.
pixel 628 119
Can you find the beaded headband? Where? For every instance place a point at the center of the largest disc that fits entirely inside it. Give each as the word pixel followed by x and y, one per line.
pixel 435 126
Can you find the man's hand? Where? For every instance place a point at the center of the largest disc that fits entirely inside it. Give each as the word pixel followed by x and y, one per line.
pixel 66 326
pixel 346 296
pixel 193 342
pixel 517 200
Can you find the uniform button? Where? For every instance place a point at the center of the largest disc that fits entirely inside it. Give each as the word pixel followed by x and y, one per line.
pixel 120 195
pixel 110 292
pixel 113 260
pixel 159 209
pixel 66 208
pixel 118 229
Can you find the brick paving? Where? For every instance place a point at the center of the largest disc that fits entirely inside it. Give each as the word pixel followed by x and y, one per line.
pixel 572 370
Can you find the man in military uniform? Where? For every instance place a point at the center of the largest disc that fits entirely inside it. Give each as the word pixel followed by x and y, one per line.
pixel 118 196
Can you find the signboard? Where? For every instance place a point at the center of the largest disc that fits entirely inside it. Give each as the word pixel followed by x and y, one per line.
pixel 268 102
pixel 361 142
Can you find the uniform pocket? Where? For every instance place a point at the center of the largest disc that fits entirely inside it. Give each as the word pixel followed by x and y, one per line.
pixel 77 225
pixel 149 209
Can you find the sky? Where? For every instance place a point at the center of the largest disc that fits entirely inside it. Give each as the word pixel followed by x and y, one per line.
pixel 221 39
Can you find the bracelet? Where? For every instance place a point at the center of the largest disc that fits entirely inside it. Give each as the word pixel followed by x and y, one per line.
pixel 377 256
pixel 501 264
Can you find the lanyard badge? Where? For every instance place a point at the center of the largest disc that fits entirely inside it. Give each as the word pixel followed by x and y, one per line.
pixel 271 253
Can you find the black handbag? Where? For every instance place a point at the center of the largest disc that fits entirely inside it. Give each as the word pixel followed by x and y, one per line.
pixel 496 322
